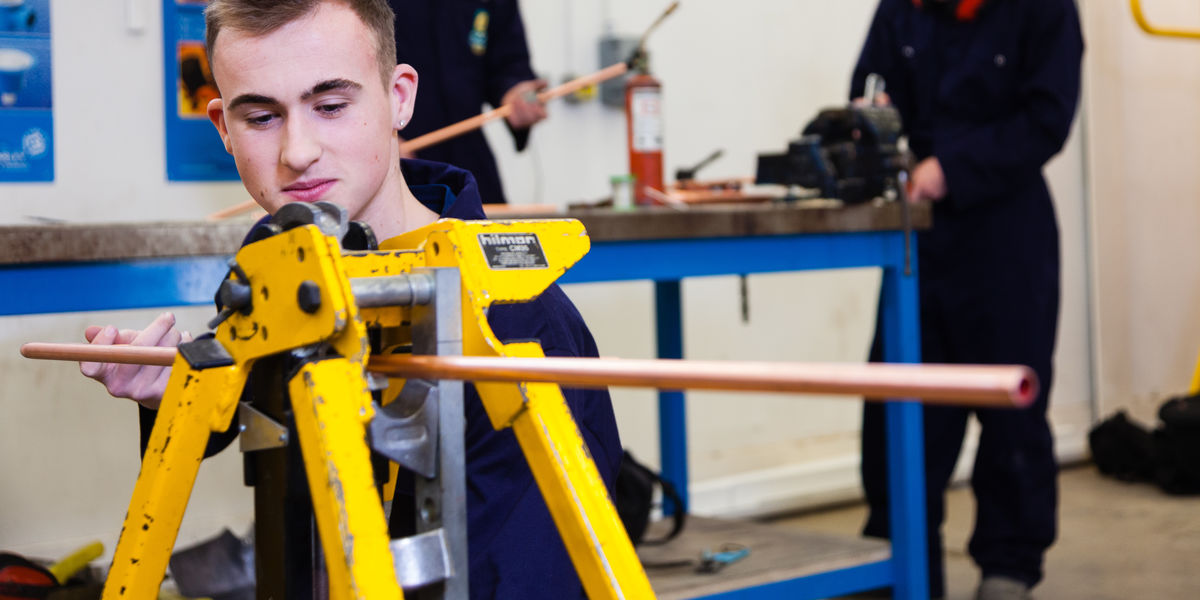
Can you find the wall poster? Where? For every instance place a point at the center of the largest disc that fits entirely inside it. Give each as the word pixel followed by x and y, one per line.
pixel 194 150
pixel 26 102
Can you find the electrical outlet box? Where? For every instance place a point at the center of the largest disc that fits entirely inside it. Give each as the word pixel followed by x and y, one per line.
pixel 615 49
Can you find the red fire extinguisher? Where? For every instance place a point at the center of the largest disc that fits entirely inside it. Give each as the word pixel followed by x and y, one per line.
pixel 644 132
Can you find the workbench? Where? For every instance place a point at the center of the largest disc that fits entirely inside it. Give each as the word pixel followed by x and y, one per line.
pixel 147 265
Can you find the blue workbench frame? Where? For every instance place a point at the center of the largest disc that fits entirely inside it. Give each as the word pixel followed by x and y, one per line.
pixel 146 283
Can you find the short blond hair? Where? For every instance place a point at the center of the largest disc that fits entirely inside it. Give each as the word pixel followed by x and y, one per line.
pixel 260 17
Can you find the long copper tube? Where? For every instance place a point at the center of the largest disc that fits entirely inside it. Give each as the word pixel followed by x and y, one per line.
pixel 473 123
pixel 466 125
pixel 960 385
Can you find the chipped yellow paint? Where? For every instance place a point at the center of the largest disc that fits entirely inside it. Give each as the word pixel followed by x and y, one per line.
pixel 332 404
pixel 564 470
pixel 277 266
pixel 383 263
pixel 570 483
pixel 198 402
pixel 350 519
pixel 195 404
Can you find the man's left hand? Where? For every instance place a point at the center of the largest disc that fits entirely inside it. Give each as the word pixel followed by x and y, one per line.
pixel 526 110
pixel 928 181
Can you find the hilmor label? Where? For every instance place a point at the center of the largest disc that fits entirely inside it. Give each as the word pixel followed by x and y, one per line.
pixel 513 251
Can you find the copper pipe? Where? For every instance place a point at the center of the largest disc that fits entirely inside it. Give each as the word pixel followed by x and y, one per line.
pixel 960 385
pixel 467 125
pixel 473 123
pixel 115 353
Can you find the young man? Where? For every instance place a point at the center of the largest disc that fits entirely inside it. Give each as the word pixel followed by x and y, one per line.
pixel 311 99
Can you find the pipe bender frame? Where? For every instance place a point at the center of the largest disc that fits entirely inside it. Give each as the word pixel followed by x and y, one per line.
pixel 298 293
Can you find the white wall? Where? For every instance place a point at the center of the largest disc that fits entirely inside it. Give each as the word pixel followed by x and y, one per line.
pixel 745 80
pixel 108 123
pixel 1144 148
pixel 68 452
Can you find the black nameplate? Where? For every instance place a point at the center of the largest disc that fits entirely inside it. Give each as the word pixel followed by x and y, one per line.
pixel 513 251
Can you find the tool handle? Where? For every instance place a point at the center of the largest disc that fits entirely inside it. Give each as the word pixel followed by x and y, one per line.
pixel 75 561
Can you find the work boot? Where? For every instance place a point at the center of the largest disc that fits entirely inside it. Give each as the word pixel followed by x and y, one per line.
pixel 995 587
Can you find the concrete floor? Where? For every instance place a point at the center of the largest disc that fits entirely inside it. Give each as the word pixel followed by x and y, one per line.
pixel 1116 540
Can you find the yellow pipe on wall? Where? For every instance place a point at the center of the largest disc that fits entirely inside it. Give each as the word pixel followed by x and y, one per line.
pixel 1140 17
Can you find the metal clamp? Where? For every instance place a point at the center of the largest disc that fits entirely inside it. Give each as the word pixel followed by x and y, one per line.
pixel 405 431
pixel 422 559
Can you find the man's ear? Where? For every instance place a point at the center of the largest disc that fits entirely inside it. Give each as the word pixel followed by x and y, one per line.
pixel 403 94
pixel 216 114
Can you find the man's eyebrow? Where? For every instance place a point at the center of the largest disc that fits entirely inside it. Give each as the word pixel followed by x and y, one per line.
pixel 251 99
pixel 330 85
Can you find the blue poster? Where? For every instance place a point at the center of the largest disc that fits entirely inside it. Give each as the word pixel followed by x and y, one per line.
pixel 26 101
pixel 194 149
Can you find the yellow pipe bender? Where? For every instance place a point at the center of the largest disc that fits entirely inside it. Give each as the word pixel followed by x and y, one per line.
pixel 299 292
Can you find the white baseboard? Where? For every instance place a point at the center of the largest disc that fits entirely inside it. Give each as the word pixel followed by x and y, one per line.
pixel 817 484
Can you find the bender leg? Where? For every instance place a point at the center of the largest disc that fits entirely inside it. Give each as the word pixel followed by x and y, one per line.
pixel 196 403
pixel 905 440
pixel 331 404
pixel 577 498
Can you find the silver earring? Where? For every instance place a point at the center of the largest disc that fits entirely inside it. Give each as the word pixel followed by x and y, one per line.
pixel 402 122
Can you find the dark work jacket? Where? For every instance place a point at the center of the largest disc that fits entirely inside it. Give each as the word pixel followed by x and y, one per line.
pixel 993 99
pixel 515 550
pixel 459 68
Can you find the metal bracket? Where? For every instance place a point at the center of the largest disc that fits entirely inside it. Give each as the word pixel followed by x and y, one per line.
pixel 422 559
pixel 441 501
pixel 205 352
pixel 258 431
pixel 406 430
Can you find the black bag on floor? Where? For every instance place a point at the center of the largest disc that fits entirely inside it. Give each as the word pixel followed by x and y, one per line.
pixel 1169 456
pixel 1123 449
pixel 635 500
pixel 1177 446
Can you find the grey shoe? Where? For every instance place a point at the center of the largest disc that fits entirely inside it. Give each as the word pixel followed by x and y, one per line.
pixel 1002 588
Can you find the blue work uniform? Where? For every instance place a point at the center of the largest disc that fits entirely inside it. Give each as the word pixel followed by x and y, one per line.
pixel 466 53
pixel 514 548
pixel 993 99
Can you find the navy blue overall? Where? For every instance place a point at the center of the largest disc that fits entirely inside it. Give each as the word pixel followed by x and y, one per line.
pixel 993 99
pixel 466 53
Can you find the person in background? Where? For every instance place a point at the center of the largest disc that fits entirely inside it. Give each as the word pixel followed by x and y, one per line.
pixel 469 53
pixel 987 91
